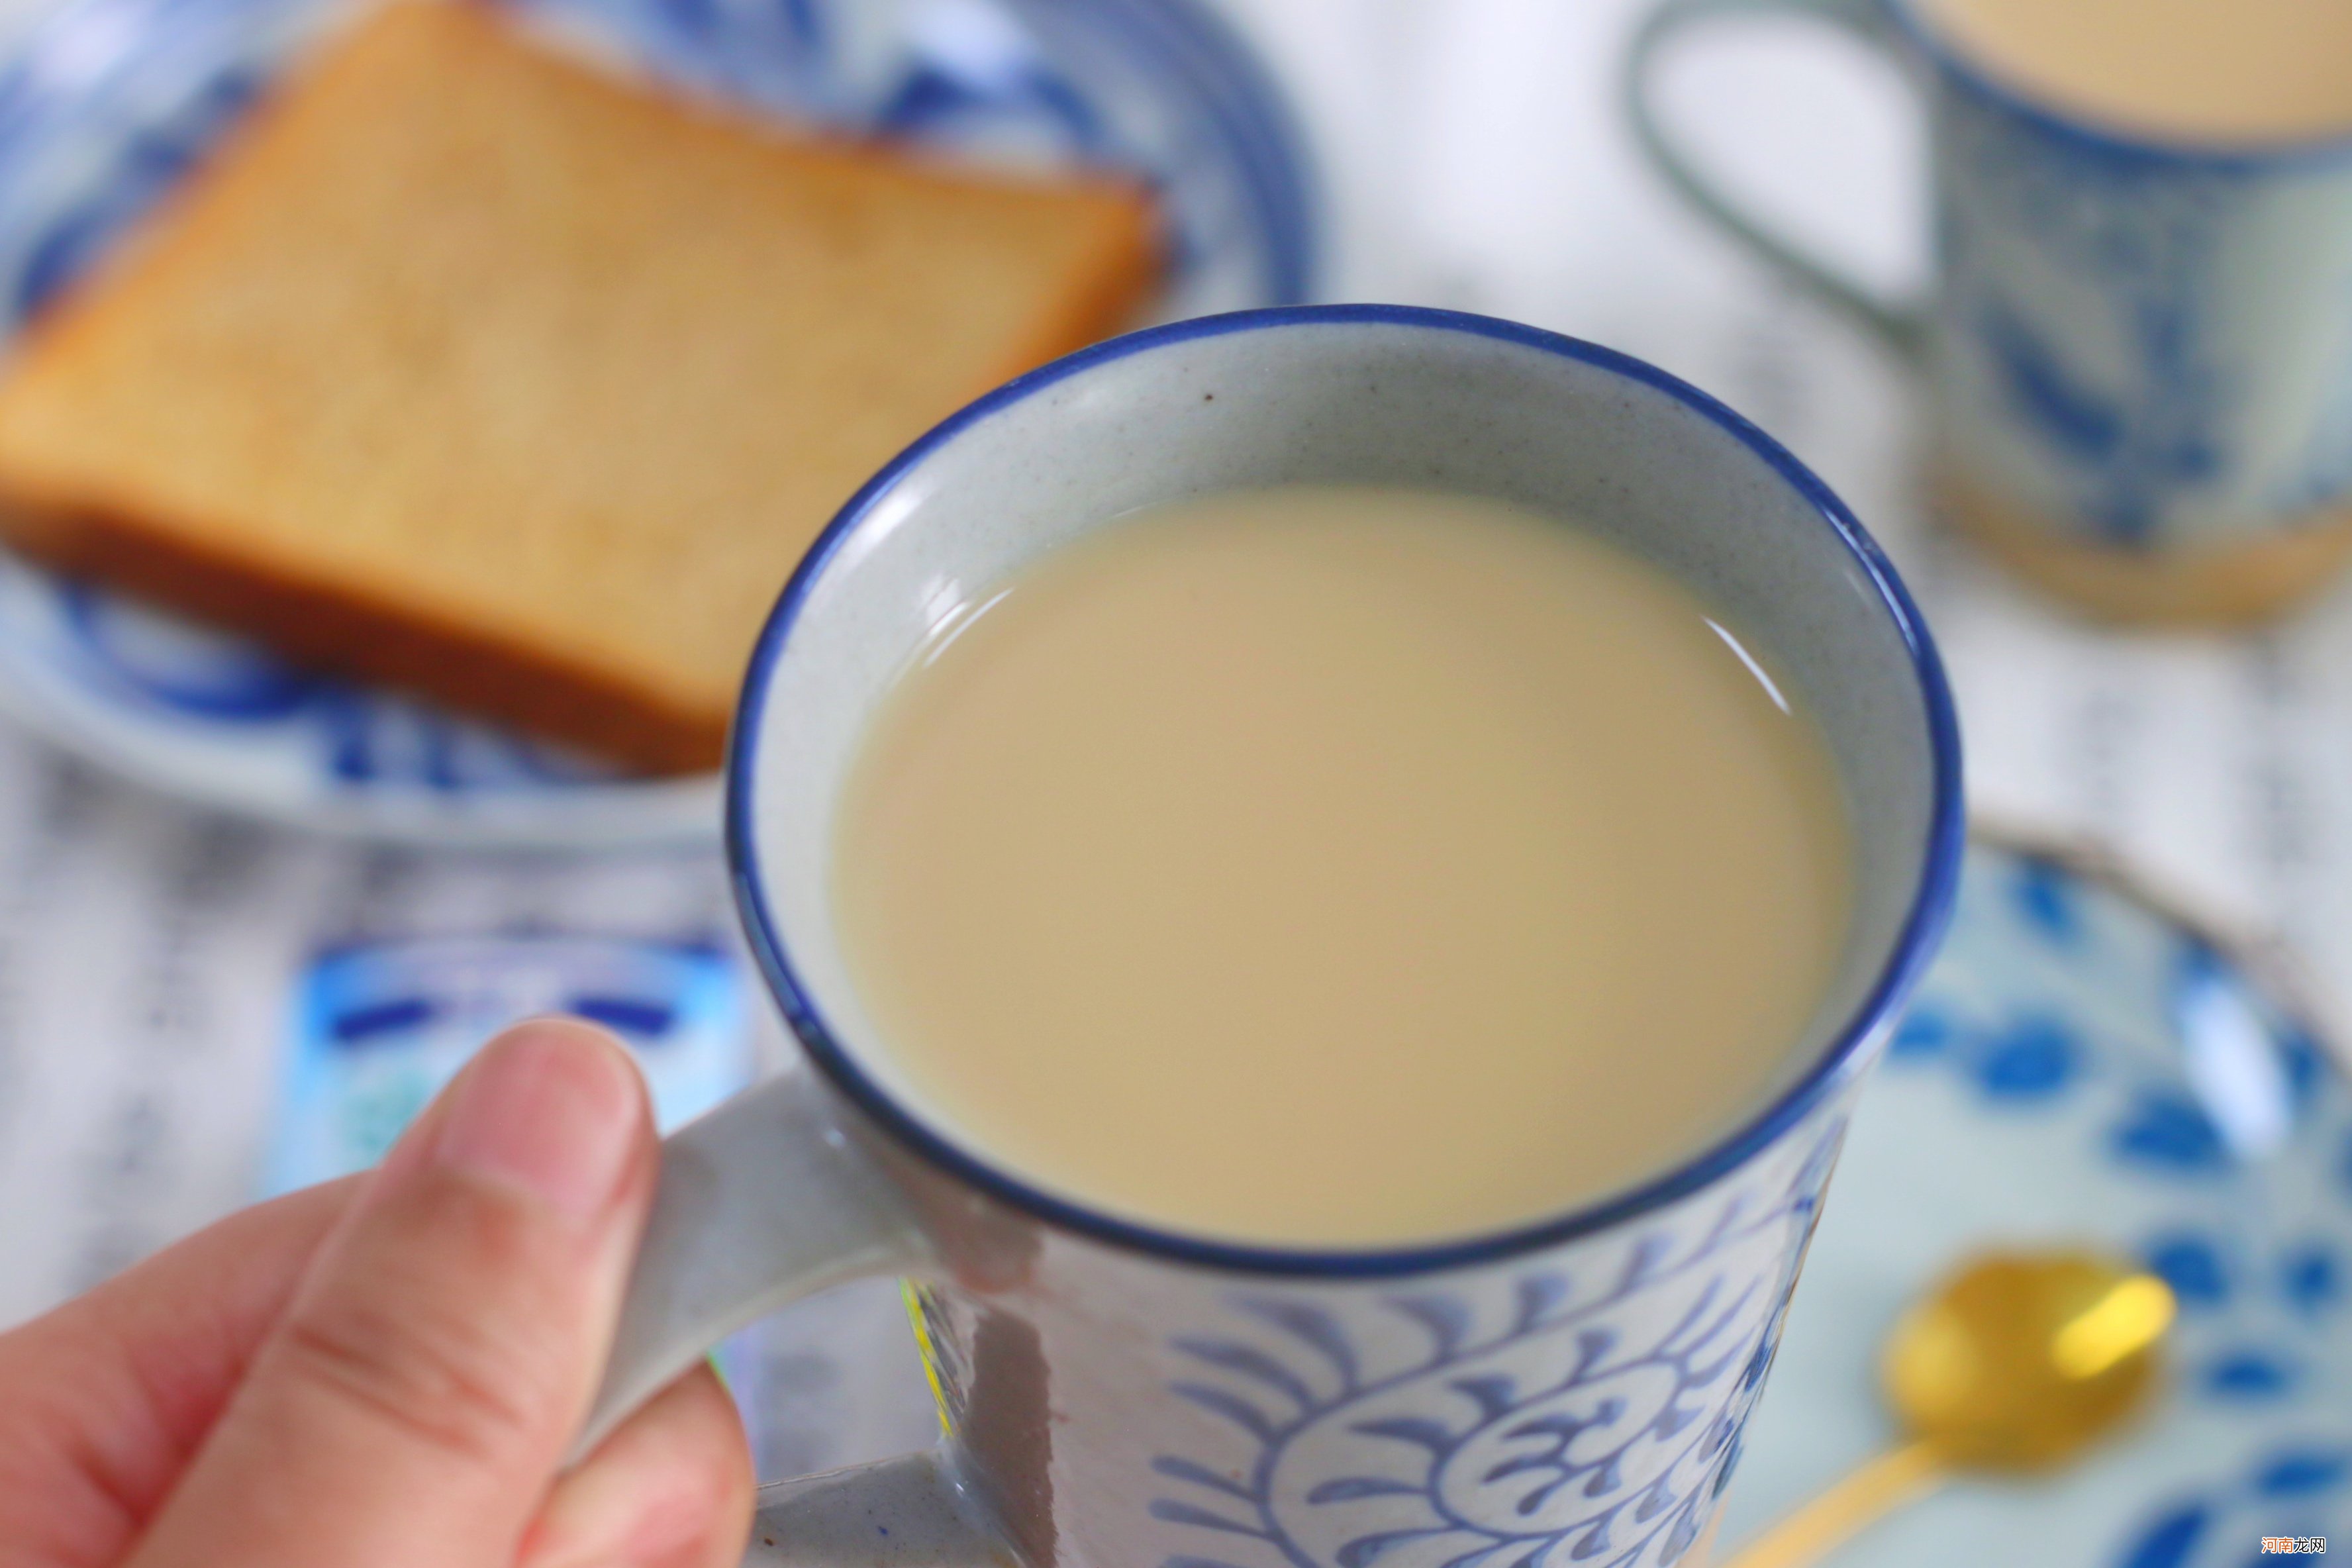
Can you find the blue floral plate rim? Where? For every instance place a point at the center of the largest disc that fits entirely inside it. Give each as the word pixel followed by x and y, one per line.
pixel 2064 1080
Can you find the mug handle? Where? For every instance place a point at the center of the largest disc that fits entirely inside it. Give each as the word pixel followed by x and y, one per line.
pixel 1897 325
pixel 761 1202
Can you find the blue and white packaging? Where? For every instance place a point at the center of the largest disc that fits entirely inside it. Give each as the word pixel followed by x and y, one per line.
pixel 378 1027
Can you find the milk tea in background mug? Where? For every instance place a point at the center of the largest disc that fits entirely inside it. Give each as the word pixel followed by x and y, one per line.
pixel 2139 343
pixel 1339 870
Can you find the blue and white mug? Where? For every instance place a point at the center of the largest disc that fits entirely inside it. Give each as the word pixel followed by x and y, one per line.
pixel 2138 349
pixel 1117 1396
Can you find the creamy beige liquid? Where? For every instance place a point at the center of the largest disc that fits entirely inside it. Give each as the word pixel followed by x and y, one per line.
pixel 1341 867
pixel 2228 70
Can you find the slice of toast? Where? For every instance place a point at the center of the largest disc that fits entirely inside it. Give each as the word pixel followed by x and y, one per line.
pixel 470 369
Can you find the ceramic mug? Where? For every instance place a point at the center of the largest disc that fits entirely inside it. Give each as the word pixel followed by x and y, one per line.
pixel 1116 1393
pixel 2138 350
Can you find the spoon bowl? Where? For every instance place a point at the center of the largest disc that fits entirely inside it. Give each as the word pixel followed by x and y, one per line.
pixel 2019 1361
pixel 2013 1364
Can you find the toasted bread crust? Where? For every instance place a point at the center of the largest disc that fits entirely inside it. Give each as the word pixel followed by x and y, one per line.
pixel 632 642
pixel 336 632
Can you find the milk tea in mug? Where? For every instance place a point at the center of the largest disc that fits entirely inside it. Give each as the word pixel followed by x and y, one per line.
pixel 1202 867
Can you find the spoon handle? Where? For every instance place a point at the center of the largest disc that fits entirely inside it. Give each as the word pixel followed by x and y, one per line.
pixel 1878 1487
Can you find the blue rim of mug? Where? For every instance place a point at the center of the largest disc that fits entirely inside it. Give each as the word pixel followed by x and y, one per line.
pixel 2109 139
pixel 1931 903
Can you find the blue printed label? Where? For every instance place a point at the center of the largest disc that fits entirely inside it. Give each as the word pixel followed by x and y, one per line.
pixel 378 1030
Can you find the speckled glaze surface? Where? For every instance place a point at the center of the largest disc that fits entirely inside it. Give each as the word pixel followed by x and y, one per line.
pixel 1115 1394
pixel 108 104
pixel 2146 344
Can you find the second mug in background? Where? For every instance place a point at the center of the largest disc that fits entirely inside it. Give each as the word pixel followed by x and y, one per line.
pixel 2138 343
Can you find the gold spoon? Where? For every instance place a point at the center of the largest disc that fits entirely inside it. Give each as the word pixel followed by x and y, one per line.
pixel 2016 1364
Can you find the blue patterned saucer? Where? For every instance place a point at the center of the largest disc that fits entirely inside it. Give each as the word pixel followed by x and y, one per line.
pixel 110 102
pixel 2085 1065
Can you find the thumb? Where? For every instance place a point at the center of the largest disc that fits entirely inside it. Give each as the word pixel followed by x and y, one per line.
pixel 415 1399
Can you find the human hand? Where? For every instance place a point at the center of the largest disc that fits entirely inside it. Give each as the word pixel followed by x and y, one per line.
pixel 385 1372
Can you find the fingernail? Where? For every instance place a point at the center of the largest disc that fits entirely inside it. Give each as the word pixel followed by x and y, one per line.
pixel 548 1109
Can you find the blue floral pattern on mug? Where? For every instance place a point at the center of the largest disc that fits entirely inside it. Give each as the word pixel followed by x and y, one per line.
pixel 2151 345
pixel 1588 1413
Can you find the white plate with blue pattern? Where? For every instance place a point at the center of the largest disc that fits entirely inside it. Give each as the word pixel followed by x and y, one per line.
pixel 2085 1066
pixel 110 102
